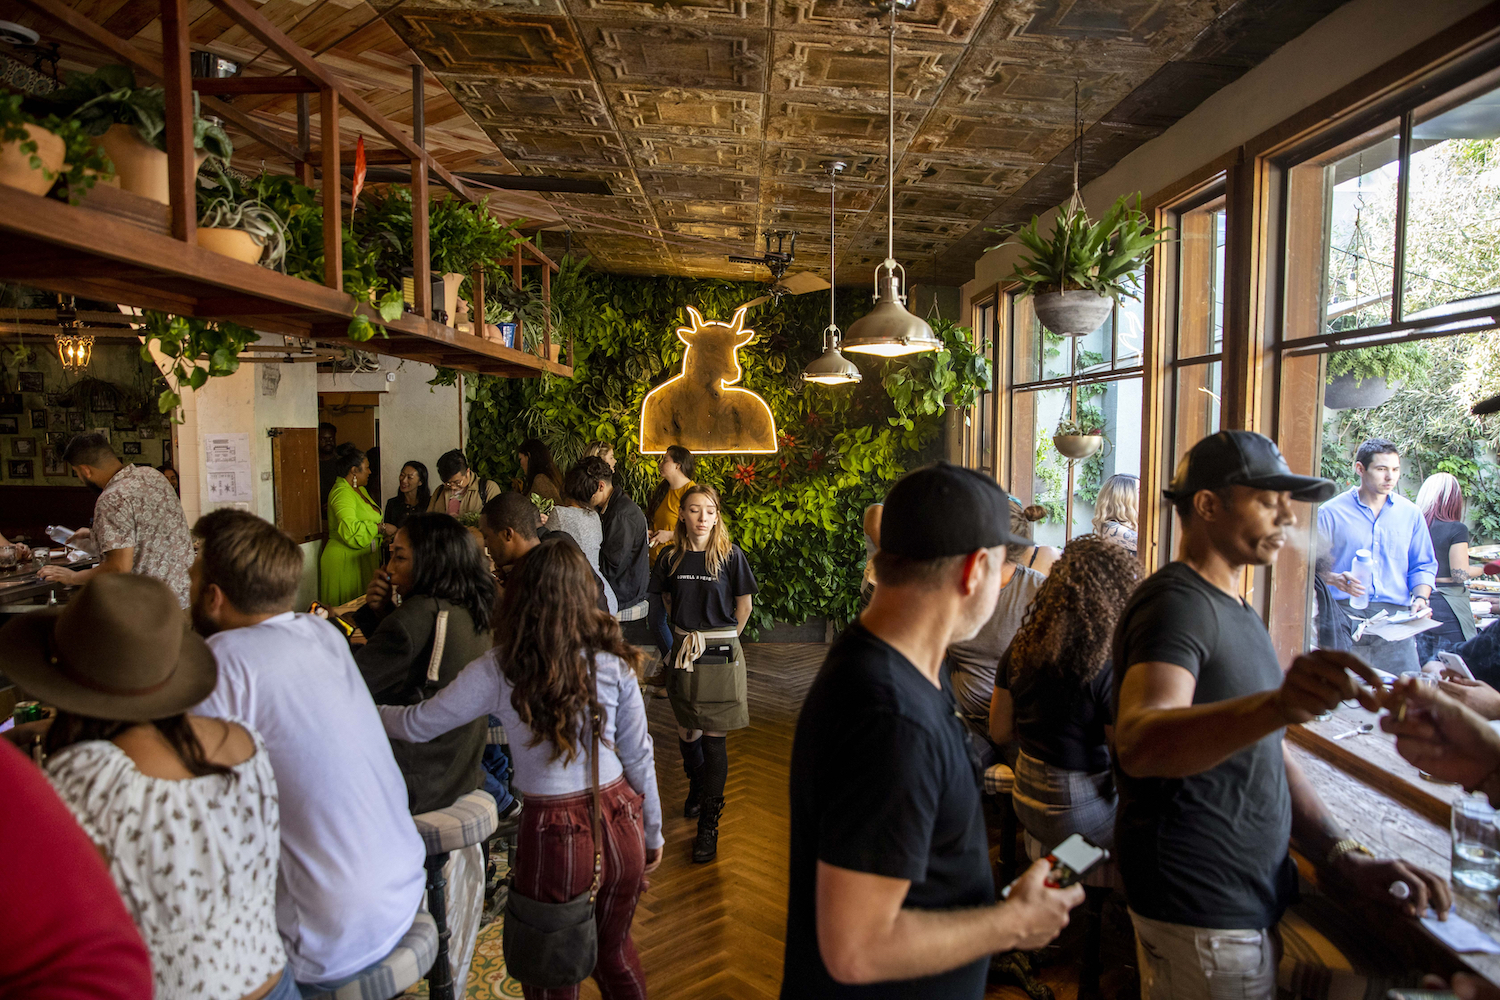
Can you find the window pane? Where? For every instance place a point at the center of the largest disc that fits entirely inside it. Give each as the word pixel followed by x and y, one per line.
pixel 1115 406
pixel 1200 280
pixel 1131 335
pixel 1341 237
pixel 1453 218
pixel 1026 337
pixel 1199 405
pixel 1039 474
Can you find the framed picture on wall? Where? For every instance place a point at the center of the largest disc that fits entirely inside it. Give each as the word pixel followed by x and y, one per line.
pixel 23 447
pixel 10 402
pixel 21 468
pixel 122 422
pixel 131 447
pixel 38 420
pixel 10 425
pixel 75 420
pixel 166 451
pixel 103 432
pixel 31 381
pixel 103 398
pixel 52 462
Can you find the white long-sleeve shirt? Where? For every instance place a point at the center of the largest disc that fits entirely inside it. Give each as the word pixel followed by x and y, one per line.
pixel 481 688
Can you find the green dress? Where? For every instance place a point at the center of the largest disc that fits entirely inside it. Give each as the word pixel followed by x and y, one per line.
pixel 348 559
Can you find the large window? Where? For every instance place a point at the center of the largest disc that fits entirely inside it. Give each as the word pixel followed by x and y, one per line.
pixel 1104 370
pixel 981 420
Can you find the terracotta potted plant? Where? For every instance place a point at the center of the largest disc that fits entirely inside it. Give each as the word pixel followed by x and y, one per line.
pixel 130 123
pixel 1078 272
pixel 37 150
pixel 236 224
pixel 1074 440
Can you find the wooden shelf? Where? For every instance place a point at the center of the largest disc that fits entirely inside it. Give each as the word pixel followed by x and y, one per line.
pixel 98 255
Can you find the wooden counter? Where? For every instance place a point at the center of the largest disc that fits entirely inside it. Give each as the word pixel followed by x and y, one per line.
pixel 1385 803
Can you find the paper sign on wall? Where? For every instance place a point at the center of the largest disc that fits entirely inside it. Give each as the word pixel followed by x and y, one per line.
pixel 227 468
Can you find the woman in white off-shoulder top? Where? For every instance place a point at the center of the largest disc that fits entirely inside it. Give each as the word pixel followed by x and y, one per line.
pixel 185 812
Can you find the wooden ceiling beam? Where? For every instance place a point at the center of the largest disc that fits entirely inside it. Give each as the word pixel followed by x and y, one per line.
pixel 236 86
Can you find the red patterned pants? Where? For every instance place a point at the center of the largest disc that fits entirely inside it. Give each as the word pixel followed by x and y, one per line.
pixel 555 862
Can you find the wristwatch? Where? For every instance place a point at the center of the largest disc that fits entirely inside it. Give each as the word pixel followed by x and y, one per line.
pixel 1343 847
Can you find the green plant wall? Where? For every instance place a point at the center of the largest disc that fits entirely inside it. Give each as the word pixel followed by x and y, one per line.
pixel 798 513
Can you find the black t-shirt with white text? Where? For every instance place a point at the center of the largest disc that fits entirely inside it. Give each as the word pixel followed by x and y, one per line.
pixel 882 784
pixel 701 601
pixel 1209 850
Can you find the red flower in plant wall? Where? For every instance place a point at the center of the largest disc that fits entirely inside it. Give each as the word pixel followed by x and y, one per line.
pixel 745 474
pixel 815 462
pixel 787 441
pixel 813 420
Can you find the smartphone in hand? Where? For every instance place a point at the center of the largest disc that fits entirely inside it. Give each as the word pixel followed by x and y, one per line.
pixel 1071 861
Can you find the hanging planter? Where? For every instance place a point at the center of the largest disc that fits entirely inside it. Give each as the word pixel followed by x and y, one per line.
pixel 1365 378
pixel 1073 314
pixel 1075 441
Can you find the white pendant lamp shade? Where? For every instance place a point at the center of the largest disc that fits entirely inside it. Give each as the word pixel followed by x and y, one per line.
pixel 889 330
pixel 832 368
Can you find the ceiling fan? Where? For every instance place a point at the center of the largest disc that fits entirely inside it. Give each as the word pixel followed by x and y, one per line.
pixel 777 261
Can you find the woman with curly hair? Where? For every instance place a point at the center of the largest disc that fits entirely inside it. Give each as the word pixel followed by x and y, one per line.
pixel 559 664
pixel 1053 694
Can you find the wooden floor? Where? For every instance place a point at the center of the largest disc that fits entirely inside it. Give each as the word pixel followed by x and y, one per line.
pixel 717 930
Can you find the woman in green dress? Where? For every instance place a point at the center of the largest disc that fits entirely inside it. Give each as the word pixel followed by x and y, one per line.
pixel 349 557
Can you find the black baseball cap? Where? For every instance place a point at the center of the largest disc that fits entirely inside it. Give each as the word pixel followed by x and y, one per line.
pixel 1242 458
pixel 944 510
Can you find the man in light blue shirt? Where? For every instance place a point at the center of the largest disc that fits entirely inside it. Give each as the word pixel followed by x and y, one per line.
pixel 1374 516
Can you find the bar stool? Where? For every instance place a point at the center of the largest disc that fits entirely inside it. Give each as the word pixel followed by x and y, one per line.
pixel 999 781
pixel 398 971
pixel 468 821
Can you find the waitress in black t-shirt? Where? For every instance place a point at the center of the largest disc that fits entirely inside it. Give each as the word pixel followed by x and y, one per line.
pixel 1441 501
pixel 706 583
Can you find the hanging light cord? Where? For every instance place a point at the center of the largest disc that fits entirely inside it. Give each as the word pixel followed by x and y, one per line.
pixel 833 179
pixel 890 155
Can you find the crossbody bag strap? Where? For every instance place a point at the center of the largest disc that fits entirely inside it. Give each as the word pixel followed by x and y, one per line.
pixel 439 640
pixel 596 810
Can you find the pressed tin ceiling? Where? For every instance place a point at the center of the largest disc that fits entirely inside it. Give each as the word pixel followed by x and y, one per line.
pixel 710 120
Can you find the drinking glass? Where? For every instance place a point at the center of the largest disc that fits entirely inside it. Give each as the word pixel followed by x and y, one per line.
pixel 1476 846
pixel 7 557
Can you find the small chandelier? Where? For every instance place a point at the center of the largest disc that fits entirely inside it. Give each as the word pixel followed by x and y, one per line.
pixel 832 368
pixel 889 330
pixel 74 347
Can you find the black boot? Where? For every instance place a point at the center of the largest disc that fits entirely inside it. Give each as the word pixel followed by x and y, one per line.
pixel 706 844
pixel 690 808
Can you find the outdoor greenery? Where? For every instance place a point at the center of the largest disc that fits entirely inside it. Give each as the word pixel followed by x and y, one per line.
pixel 797 513
pixel 1104 257
pixel 1392 362
pixel 83 162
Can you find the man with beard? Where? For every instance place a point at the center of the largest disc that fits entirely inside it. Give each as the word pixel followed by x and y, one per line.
pixel 1209 801
pixel 138 527
pixel 328 451
pixel 351 875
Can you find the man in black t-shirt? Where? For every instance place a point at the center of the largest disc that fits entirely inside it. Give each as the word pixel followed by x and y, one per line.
pixel 891 890
pixel 1209 802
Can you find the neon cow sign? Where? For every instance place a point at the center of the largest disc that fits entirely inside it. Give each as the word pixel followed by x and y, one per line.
pixel 699 409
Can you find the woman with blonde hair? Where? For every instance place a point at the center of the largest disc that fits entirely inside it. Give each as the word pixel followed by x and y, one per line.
pixel 599 449
pixel 1116 509
pixel 1441 501
pixel 707 586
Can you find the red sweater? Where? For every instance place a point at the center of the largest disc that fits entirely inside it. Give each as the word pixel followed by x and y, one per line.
pixel 67 935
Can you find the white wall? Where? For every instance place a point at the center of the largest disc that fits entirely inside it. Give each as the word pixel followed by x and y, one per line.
pixel 1352 41
pixel 417 421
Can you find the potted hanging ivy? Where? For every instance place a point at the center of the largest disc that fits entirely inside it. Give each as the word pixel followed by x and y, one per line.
pixel 37 150
pixel 1075 440
pixel 235 223
pixel 130 124
pixel 1078 272
pixel 1368 377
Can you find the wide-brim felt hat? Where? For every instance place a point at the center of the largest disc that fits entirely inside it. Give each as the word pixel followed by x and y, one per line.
pixel 121 649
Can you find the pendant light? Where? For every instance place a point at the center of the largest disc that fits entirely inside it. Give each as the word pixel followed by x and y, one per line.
pixel 832 368
pixel 74 347
pixel 889 330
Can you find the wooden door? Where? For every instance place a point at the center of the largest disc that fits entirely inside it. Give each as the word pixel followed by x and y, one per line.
pixel 294 462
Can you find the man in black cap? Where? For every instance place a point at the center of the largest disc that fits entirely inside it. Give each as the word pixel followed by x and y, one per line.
pixel 1209 803
pixel 891 890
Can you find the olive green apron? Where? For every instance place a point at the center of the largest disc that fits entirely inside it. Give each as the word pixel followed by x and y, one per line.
pixel 1457 596
pixel 712 695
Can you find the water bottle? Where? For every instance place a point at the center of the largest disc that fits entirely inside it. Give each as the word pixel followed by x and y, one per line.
pixel 1363 570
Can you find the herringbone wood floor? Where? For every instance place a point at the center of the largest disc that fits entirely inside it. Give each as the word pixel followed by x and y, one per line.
pixel 716 931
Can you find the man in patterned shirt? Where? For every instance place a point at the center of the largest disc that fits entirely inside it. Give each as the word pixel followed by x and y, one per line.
pixel 139 526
